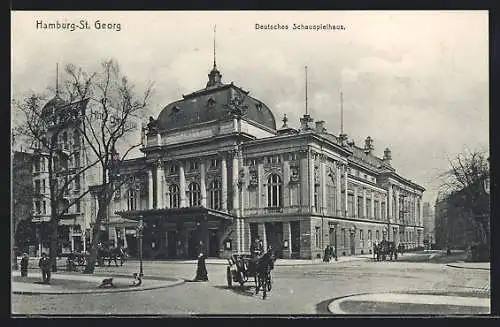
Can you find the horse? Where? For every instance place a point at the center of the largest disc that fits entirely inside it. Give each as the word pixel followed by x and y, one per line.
pixel 263 267
pixel 384 249
pixel 110 252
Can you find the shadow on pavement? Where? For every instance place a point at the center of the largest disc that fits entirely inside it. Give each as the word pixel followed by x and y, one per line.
pixel 241 290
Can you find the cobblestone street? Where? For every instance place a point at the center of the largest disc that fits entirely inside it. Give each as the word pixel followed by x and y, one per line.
pixel 300 289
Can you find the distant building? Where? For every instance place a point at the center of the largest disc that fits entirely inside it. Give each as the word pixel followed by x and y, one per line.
pixel 428 220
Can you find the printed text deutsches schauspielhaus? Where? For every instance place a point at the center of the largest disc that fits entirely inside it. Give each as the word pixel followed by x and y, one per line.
pixel 303 27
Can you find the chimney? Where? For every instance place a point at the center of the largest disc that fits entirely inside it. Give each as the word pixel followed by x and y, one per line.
pixel 387 156
pixel 368 145
pixel 306 122
pixel 320 126
pixel 343 139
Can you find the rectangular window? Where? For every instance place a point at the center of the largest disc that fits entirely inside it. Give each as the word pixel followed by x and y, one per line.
pixel 360 206
pixel 377 235
pixel 383 211
pixel 37 165
pixel 344 238
pixel 361 239
pixel 37 186
pixel 173 169
pixel 77 159
pixel 44 207
pixel 316 197
pixel 42 160
pixel 293 156
pixel 78 206
pixel 214 163
pixel 193 165
pixel 350 205
pixel 318 237
pixel 37 207
pixel 369 208
pixel 77 183
pixel 376 206
pixel 369 235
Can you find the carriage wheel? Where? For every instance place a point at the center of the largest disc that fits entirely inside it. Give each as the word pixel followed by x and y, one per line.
pixel 229 277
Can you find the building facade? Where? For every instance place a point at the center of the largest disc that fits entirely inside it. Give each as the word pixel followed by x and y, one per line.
pixel 217 172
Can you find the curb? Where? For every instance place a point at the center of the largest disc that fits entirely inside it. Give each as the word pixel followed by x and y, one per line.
pixel 332 306
pixel 462 267
pixel 175 282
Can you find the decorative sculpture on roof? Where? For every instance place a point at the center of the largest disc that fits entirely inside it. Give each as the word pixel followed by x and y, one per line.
pixel 368 145
pixel 236 107
pixel 152 126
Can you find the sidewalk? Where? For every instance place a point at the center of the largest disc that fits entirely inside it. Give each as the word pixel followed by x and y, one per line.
pixel 409 304
pixel 279 262
pixel 83 284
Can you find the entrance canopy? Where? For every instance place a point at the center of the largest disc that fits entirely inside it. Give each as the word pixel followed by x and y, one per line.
pixel 177 215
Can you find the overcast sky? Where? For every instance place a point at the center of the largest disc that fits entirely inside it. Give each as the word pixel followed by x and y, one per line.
pixel 416 82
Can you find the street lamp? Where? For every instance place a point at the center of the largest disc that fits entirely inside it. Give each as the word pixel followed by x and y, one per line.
pixel 140 228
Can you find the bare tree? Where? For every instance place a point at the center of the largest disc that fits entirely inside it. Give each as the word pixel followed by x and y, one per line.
pixel 113 109
pixel 42 129
pixel 465 182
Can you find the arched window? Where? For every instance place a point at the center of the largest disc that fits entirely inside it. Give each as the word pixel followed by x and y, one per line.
pixel 131 199
pixel 274 191
pixel 214 191
pixel 174 196
pixel 193 194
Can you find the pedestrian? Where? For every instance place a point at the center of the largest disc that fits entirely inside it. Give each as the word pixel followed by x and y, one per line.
pixel 326 256
pixel 45 266
pixel 24 265
pixel 201 269
pixel 333 251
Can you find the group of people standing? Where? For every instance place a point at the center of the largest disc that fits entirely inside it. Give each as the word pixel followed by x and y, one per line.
pixel 330 253
pixel 44 264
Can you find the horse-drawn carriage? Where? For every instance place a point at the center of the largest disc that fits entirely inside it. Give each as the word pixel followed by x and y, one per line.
pixel 242 267
pixel 385 249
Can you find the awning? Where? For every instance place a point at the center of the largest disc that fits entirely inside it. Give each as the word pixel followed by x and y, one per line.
pixel 176 214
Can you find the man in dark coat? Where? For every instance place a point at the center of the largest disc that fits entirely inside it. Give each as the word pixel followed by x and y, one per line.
pixel 257 247
pixel 45 266
pixel 24 265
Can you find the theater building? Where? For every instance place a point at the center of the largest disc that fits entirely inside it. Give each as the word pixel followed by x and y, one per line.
pixel 219 170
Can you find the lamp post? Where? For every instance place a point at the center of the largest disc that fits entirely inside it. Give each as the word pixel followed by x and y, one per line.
pixel 140 228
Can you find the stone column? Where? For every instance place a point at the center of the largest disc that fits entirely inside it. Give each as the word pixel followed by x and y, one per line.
pixel 356 213
pixel 182 186
pixel 124 236
pixel 381 197
pixel 260 187
pixel 286 185
pixel 150 188
pixel 345 188
pixel 420 214
pixel 372 207
pixel 397 207
pixel 261 230
pixel 338 204
pixel 234 183
pixel 365 211
pixel 287 235
pixel 115 236
pixel 311 183
pixel 224 183
pixel 203 187
pixel 323 177
pixel 304 181
pixel 389 204
pixel 159 185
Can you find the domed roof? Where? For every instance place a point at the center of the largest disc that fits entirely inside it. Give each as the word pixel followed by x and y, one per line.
pixel 52 104
pixel 214 103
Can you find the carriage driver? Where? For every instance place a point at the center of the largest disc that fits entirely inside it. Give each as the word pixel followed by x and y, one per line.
pixel 257 247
